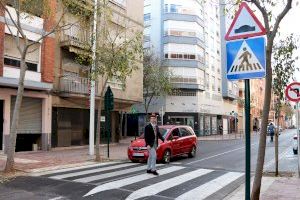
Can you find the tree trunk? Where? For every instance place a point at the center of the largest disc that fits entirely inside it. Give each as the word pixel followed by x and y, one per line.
pixel 276 144
pixel 9 167
pixel 262 139
pixel 98 157
pixel 98 132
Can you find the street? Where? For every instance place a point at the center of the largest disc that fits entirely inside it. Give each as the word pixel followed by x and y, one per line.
pixel 216 171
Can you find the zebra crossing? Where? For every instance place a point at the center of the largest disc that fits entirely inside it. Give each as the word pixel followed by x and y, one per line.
pixel 129 180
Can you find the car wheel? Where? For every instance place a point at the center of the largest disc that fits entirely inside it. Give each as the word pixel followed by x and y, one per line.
pixel 167 156
pixel 193 152
pixel 295 151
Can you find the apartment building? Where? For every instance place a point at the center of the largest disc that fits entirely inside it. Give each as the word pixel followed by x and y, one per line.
pixel 70 114
pixel 35 116
pixel 55 109
pixel 187 36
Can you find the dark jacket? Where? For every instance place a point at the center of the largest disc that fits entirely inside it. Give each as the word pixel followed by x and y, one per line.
pixel 271 129
pixel 149 135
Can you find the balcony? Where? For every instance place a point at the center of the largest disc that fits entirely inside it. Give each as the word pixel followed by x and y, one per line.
pixel 184 63
pixel 187 83
pixel 75 38
pixel 76 85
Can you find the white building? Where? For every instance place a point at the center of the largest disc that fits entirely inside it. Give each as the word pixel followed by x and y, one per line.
pixel 187 37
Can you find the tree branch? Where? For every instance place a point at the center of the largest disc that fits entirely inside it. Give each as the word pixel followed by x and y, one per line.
pixel 288 6
pixel 264 14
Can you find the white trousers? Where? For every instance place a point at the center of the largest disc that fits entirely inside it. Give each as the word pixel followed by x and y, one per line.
pixel 152 159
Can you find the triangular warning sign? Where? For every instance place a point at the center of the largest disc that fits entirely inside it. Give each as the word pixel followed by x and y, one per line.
pixel 245 62
pixel 245 24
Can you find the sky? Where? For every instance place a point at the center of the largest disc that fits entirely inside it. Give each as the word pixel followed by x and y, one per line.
pixel 290 24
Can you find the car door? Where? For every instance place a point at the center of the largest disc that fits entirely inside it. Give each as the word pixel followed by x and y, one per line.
pixel 175 143
pixel 186 140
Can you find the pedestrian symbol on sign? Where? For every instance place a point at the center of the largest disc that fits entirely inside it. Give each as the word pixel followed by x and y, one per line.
pixel 245 61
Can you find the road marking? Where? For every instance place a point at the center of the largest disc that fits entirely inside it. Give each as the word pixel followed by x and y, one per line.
pixel 111 174
pixel 218 155
pixel 71 169
pixel 210 187
pixel 57 198
pixel 164 185
pixel 92 171
pixel 130 180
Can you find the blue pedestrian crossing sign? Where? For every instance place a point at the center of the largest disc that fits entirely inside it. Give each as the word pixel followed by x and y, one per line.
pixel 246 59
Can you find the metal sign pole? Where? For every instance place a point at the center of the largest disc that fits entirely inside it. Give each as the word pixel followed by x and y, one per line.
pixel 247 139
pixel 298 138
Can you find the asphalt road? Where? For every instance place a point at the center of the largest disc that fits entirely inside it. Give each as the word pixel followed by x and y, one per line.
pixel 216 171
pixel 230 155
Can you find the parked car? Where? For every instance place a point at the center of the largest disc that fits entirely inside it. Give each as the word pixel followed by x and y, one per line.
pixel 295 144
pixel 179 140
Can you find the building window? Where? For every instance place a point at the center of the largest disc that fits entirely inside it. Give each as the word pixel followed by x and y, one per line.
pixel 207 81
pixel 174 8
pixel 16 63
pixel 183 56
pixel 183 93
pixel 213 83
pixel 219 85
pixel 147 17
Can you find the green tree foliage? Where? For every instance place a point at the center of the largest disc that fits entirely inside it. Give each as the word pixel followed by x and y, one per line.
pixel 284 64
pixel 157 79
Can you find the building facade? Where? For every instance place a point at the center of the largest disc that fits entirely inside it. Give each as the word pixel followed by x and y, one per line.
pixel 70 113
pixel 55 108
pixel 186 35
pixel 35 116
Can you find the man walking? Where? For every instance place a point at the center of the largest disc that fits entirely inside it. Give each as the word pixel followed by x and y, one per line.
pixel 151 138
pixel 271 130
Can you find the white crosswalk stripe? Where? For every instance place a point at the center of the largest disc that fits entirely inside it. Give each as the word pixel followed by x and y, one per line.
pixel 131 180
pixel 177 181
pixel 111 174
pixel 164 185
pixel 211 187
pixel 68 175
pixel 72 169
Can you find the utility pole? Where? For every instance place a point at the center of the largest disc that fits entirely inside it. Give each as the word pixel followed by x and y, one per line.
pixel 92 97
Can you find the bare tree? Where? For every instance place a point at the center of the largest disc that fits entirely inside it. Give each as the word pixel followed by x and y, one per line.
pixel 25 10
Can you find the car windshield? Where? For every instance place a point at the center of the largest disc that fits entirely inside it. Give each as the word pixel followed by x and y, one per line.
pixel 164 132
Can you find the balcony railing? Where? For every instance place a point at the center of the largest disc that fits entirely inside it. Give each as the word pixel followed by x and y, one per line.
pixel 76 85
pixel 75 36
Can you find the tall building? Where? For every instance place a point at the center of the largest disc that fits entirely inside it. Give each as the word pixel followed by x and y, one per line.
pixel 187 36
pixel 55 108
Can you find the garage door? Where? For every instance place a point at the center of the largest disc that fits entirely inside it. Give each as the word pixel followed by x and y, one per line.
pixel 30 115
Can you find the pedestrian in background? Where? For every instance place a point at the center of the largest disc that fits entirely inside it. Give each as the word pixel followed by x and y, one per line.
pixel 151 138
pixel 271 130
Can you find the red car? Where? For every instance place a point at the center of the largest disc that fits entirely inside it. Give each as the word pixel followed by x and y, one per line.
pixel 179 140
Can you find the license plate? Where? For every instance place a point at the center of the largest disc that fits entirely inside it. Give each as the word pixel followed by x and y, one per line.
pixel 138 154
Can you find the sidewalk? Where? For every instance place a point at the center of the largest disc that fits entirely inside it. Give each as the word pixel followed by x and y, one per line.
pixel 273 188
pixel 65 157
pixel 231 136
